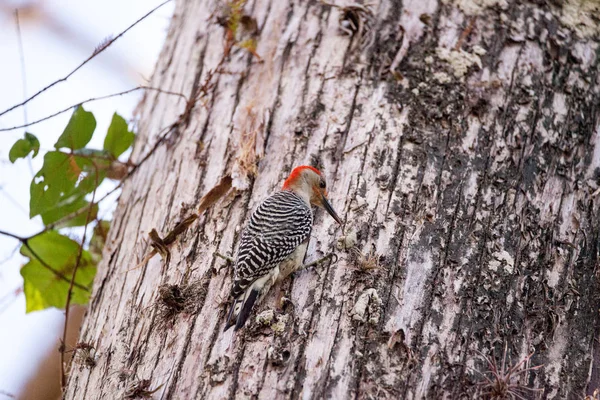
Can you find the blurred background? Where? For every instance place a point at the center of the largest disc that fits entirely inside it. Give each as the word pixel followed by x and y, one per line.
pixel 50 40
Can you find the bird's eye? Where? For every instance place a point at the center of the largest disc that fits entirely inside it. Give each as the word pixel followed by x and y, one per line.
pixel 322 185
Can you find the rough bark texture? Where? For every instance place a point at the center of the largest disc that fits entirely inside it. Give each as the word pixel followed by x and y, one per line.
pixel 470 178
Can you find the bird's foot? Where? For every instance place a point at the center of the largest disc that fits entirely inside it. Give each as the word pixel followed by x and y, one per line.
pixel 285 302
pixel 320 261
pixel 224 257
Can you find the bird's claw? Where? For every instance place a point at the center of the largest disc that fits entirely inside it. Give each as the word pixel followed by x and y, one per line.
pixel 322 260
pixel 224 257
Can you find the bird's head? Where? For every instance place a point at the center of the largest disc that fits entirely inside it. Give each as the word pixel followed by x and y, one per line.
pixel 309 183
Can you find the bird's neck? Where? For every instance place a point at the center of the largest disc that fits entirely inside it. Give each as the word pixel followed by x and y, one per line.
pixel 301 191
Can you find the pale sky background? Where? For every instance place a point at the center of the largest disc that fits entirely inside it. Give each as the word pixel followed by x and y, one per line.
pixel 57 36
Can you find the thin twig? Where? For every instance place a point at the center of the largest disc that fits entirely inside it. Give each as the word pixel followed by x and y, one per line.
pixel 63 379
pixel 11 255
pixel 15 292
pixel 22 58
pixel 8 299
pixel 97 51
pixel 355 147
pixel 9 395
pixel 12 235
pixel 90 100
pixel 12 200
pixel 64 219
pixel 23 80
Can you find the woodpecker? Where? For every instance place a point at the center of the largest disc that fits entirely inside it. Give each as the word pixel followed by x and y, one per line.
pixel 274 242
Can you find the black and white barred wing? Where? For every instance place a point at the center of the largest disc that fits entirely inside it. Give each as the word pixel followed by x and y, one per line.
pixel 280 224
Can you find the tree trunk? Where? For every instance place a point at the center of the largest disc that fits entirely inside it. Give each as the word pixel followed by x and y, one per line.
pixel 461 143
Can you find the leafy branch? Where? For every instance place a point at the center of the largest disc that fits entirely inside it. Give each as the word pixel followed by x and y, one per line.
pixel 59 270
pixel 65 181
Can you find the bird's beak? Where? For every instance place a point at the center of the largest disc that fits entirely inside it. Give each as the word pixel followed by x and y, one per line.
pixel 330 210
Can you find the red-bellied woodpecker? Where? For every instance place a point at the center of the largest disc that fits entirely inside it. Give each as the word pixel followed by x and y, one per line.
pixel 274 242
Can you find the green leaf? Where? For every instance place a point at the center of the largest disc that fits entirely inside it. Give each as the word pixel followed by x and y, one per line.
pixel 79 130
pixel 23 147
pixel 119 138
pixel 34 300
pixel 60 187
pixel 42 287
pixel 56 178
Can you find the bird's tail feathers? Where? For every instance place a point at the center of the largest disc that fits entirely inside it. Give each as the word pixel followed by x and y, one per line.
pixel 246 309
pixel 233 313
pixel 241 308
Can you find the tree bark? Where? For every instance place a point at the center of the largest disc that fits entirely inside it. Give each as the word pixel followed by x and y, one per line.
pixel 461 142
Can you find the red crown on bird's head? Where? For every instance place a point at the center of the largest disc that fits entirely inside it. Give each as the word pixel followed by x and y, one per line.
pixel 295 174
